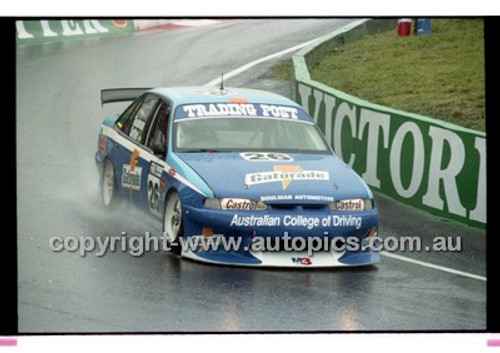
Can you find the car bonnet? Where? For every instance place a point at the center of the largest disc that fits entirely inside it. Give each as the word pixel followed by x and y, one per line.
pixel 235 175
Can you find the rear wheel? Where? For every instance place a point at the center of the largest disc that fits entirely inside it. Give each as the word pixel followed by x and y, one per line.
pixel 172 222
pixel 108 191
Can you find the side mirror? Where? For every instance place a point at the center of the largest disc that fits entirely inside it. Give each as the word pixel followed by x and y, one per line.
pixel 159 149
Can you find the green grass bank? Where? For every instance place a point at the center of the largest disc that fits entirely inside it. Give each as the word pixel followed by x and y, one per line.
pixel 440 75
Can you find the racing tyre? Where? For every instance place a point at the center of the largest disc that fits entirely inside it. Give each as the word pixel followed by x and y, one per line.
pixel 172 222
pixel 109 193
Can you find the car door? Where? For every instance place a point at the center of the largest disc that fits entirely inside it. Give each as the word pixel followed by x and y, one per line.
pixel 130 161
pixel 155 155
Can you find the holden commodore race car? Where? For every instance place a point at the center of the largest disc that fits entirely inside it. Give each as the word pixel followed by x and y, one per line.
pixel 235 164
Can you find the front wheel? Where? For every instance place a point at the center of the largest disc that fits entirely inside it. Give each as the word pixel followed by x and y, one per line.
pixel 172 222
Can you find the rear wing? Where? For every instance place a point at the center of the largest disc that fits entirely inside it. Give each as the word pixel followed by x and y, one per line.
pixel 113 95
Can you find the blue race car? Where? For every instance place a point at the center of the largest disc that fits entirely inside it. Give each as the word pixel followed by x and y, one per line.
pixel 236 176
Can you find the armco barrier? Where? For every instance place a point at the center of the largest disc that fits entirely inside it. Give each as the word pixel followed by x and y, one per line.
pixel 423 162
pixel 46 31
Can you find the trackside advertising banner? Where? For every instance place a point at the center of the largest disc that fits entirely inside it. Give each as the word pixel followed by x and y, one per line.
pixel 423 162
pixel 36 32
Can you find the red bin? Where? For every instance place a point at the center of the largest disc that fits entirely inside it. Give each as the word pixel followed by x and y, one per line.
pixel 404 27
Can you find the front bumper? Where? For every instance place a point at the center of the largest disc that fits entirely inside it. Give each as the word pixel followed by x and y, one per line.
pixel 297 222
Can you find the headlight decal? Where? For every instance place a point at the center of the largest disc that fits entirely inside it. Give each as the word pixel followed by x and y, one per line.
pixel 235 204
pixel 352 205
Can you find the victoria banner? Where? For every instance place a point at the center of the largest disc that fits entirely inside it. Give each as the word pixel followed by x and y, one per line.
pixel 46 31
pixel 424 162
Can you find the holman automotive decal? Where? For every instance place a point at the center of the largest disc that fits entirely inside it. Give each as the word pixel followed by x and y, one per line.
pixel 316 198
pixel 126 143
pixel 286 174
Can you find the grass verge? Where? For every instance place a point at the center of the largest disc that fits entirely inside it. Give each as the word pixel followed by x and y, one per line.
pixel 440 75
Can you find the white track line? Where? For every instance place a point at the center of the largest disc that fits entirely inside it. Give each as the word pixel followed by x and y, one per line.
pixel 435 267
pixel 383 253
pixel 258 61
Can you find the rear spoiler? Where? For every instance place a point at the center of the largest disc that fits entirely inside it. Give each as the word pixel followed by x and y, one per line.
pixel 112 95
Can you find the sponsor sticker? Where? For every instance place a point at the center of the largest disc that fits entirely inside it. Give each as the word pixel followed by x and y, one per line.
pixel 302 221
pixel 266 157
pixel 131 174
pixel 133 159
pixel 155 169
pixel 350 205
pixel 286 174
pixel 238 204
pixel 131 177
pixel 302 260
pixel 239 109
pixel 319 198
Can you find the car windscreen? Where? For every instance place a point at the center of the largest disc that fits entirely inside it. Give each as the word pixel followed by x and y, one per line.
pixel 233 134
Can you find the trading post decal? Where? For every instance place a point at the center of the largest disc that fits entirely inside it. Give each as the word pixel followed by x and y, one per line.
pixel 211 110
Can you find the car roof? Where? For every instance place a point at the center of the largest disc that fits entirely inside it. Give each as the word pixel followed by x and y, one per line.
pixel 201 94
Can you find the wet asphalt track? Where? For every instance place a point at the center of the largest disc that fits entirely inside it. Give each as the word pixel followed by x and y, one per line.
pixel 58 117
